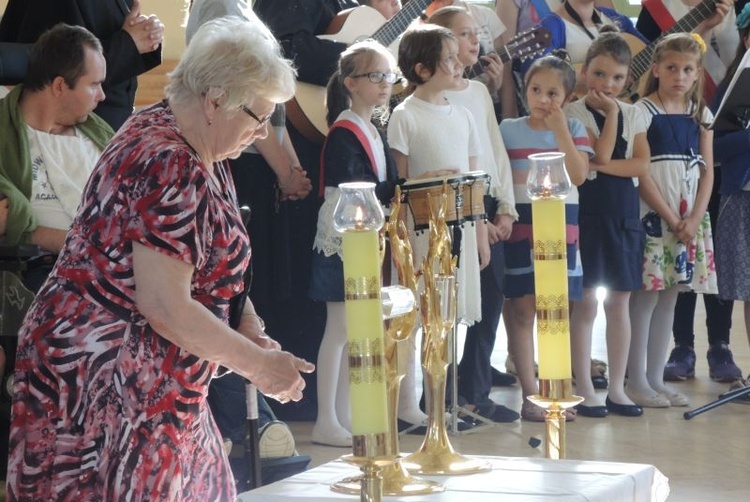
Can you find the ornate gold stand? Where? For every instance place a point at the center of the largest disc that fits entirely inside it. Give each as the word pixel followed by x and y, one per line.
pixel 370 456
pixel 555 397
pixel 436 455
pixel 438 312
pixel 396 479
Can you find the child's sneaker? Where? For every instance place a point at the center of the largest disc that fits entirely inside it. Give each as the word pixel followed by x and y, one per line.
pixel 721 365
pixel 681 364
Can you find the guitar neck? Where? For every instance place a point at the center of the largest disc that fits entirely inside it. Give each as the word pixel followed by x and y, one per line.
pixel 391 30
pixel 642 61
pixel 478 68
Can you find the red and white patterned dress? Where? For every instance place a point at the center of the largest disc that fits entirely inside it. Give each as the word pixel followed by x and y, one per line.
pixel 104 407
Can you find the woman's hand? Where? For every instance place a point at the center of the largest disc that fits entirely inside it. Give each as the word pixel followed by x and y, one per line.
pixel 278 376
pixel 252 326
pixel 296 185
pixel 147 32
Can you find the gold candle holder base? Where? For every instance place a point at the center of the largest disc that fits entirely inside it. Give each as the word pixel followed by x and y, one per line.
pixel 555 396
pixel 371 456
pixel 436 455
pixel 397 482
pixel 445 463
pixel 371 480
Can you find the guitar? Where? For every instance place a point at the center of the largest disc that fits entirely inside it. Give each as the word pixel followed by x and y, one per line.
pixel 641 63
pixel 306 111
pixel 522 46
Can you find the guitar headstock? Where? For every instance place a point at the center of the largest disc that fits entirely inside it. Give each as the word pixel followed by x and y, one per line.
pixel 529 43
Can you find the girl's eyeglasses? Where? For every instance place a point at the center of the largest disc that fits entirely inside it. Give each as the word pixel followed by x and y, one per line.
pixel 378 76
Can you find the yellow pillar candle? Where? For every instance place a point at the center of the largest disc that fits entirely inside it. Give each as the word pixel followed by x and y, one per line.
pixel 551 285
pixel 364 327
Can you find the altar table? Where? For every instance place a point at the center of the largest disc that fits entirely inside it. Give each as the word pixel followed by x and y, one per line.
pixel 511 479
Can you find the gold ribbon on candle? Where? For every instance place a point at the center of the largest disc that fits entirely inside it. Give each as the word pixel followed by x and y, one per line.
pixel 550 250
pixel 366 361
pixel 362 288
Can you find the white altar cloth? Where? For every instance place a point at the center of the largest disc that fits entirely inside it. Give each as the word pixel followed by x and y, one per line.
pixel 511 479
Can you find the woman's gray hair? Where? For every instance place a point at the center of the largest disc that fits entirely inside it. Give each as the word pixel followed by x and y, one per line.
pixel 234 58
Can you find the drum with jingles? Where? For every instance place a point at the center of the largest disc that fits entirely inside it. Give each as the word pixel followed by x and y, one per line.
pixel 417 192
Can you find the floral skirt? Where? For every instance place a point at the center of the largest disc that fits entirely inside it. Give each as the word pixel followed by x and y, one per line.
pixel 668 262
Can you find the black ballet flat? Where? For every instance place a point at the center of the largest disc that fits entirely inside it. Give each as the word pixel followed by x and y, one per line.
pixel 592 411
pixel 625 410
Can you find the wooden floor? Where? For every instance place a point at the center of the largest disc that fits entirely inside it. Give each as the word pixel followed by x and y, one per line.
pixel 705 459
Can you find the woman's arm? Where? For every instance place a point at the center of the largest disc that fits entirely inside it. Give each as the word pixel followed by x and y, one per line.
pixel 179 318
pixel 253 328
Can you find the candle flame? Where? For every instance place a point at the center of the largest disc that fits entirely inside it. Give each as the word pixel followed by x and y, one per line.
pixel 546 186
pixel 359 218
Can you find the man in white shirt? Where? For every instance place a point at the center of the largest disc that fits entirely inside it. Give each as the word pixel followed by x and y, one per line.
pixel 50 141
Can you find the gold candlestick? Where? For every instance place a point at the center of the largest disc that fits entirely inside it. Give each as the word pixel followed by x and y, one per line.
pixel 359 216
pixel 438 313
pixel 548 185
pixel 396 479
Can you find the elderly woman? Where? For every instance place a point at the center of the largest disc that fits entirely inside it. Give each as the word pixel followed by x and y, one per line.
pixel 117 351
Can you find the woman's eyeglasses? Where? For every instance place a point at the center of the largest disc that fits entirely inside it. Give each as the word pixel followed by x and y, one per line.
pixel 378 76
pixel 261 121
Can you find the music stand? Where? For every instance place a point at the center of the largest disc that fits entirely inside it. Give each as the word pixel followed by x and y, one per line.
pixel 723 399
pixel 734 111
